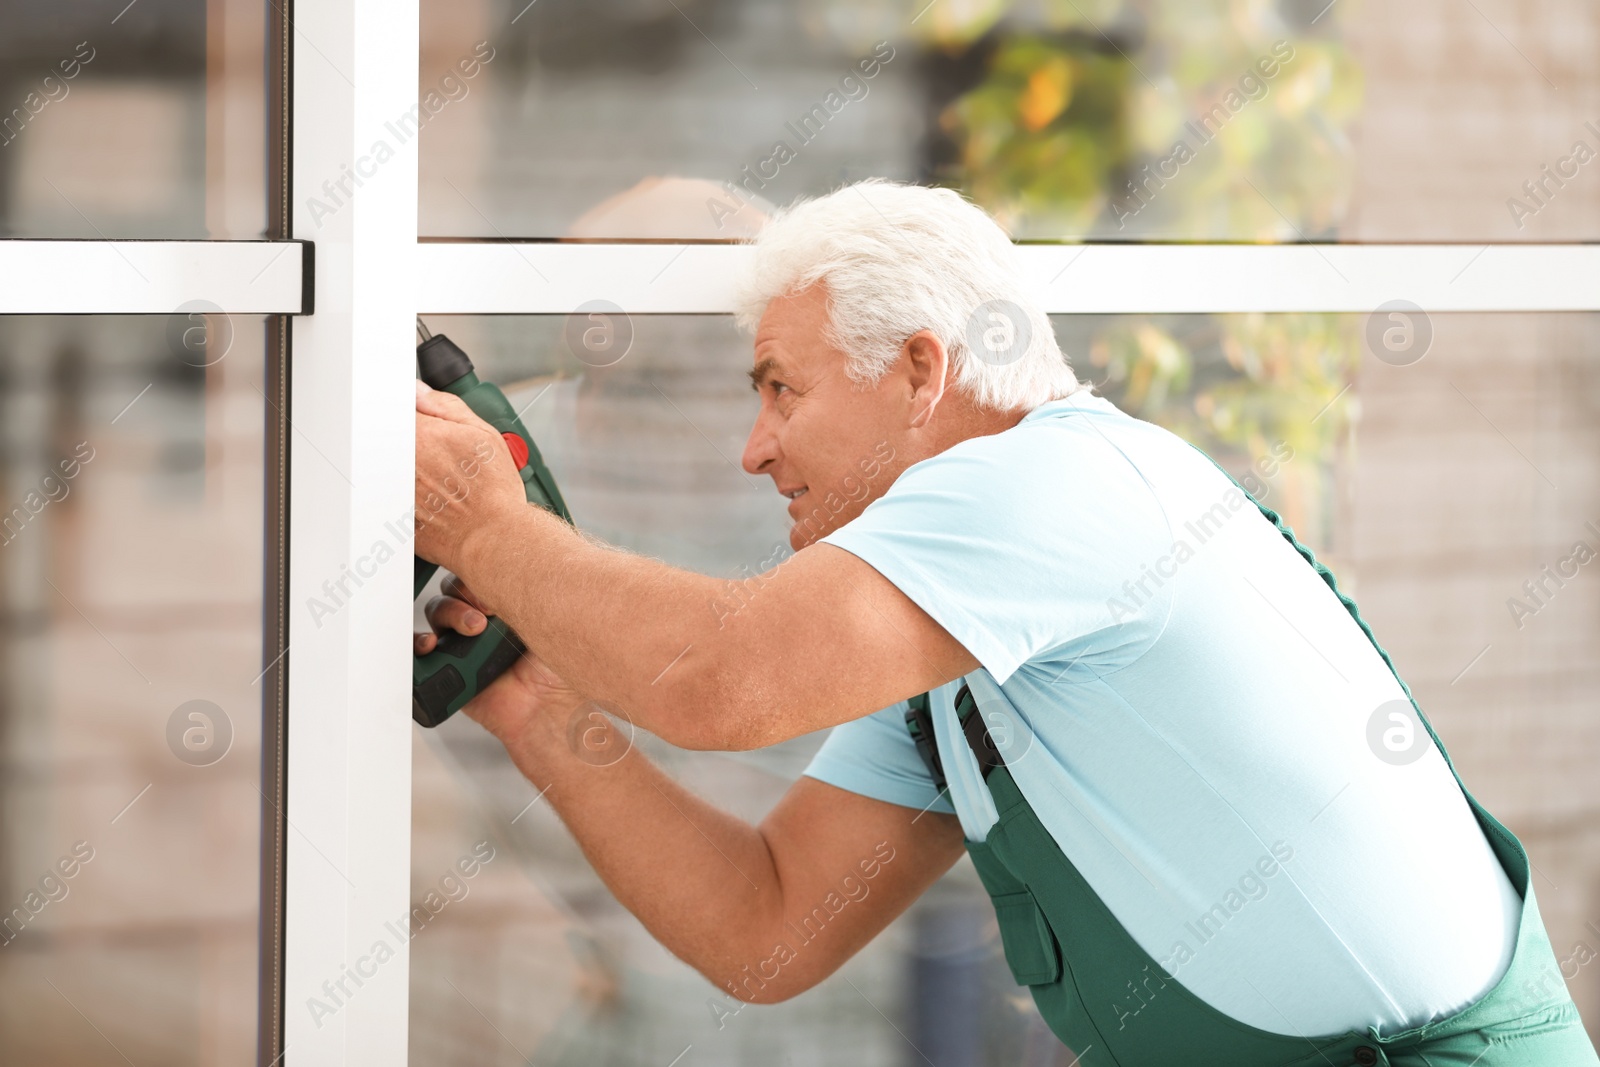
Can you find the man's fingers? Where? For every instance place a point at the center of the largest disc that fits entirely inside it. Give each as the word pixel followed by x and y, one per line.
pixel 448 612
pixel 443 405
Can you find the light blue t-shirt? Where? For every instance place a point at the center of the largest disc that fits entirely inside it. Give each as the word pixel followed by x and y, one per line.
pixel 1186 705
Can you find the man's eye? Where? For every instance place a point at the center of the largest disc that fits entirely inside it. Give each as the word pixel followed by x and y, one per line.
pixel 778 388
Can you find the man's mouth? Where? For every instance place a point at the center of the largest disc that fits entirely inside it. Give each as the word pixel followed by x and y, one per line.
pixel 794 494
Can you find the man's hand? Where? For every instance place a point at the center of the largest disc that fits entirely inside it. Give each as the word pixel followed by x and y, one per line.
pixel 465 477
pixel 529 703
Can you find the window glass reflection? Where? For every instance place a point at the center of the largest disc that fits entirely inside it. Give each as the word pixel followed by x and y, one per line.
pixel 1111 119
pixel 146 121
pixel 131 540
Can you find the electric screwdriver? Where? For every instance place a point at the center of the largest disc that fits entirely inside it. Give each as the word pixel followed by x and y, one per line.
pixel 461 666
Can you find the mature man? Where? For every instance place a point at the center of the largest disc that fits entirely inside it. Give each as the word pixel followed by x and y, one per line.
pixel 1150 713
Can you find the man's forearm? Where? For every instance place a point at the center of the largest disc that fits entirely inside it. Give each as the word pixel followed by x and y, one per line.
pixel 821 639
pixel 578 606
pixel 701 881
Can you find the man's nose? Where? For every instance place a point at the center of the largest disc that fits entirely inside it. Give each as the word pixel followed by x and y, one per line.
pixel 761 449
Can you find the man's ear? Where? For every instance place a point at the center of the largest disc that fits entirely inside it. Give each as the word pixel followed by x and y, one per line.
pixel 927 367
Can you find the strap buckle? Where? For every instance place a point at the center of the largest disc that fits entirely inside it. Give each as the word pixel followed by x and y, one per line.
pixel 919 723
pixel 977 732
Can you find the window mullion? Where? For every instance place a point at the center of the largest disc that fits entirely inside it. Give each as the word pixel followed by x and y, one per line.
pixel 352 440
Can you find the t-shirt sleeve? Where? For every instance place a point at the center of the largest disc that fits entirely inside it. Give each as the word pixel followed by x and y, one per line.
pixel 876 757
pixel 1025 546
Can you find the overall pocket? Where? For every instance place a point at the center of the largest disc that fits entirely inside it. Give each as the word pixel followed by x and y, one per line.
pixel 1030 945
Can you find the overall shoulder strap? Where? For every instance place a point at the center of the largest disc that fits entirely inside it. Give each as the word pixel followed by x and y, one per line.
pixel 919 721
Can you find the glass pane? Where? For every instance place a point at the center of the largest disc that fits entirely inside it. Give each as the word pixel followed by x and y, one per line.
pixel 130 713
pixel 1427 481
pixel 1110 119
pixel 148 123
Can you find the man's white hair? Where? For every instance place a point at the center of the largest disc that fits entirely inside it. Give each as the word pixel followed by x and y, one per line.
pixel 898 258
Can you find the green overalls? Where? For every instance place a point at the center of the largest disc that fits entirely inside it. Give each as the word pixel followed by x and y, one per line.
pixel 1063 943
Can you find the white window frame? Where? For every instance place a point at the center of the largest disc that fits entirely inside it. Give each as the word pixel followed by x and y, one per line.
pixel 534 278
pixel 68 277
pixel 348 834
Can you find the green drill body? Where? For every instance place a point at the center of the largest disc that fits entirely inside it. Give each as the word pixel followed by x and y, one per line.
pixel 462 666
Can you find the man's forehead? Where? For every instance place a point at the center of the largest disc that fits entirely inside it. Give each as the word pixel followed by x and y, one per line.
pixel 787 338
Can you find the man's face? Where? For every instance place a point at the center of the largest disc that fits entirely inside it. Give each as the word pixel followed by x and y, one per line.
pixel 831 445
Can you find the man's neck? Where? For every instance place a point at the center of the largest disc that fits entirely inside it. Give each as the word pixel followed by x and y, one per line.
pixel 969 421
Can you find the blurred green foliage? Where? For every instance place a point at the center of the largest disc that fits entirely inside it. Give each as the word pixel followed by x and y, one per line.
pixel 1044 137
pixel 1177 120
pixel 1080 95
